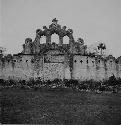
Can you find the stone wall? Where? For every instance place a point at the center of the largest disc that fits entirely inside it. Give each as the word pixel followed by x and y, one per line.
pixel 20 67
pixel 52 65
pixel 87 68
pixel 45 67
pixel 63 61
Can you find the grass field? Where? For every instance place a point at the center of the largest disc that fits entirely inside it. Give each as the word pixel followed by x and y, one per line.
pixel 59 107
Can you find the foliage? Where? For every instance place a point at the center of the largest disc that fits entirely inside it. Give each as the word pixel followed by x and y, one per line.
pixel 101 47
pixel 111 84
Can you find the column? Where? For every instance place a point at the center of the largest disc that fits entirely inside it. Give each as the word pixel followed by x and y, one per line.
pixel 48 39
pixel 60 40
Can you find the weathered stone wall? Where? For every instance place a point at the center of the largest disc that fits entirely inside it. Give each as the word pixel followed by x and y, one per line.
pixel 64 61
pixel 20 67
pixel 86 68
pixel 118 67
pixel 46 67
pixel 53 71
pixel 83 68
pixel 53 65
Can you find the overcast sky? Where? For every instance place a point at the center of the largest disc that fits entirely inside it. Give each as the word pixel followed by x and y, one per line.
pixel 93 20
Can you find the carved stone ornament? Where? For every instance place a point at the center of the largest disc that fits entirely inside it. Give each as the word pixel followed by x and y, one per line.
pixel 64 27
pixel 45 28
pixel 70 31
pixel 81 41
pixel 55 20
pixel 28 40
pixel 39 32
pixel 54 28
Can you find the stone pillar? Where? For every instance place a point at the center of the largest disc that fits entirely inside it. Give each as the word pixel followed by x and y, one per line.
pixel 48 39
pixel 27 46
pixel 71 39
pixel 71 44
pixel 37 44
pixel 60 40
pixel 71 65
pixel 23 48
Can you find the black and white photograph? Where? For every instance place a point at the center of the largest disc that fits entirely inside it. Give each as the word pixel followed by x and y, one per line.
pixel 60 62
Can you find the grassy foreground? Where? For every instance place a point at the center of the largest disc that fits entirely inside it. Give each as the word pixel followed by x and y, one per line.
pixel 59 107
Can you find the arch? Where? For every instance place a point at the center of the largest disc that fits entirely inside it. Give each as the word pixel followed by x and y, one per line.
pixel 66 40
pixel 43 39
pixel 55 28
pixel 55 38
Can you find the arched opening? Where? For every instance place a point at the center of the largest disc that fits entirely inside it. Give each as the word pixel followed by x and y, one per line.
pixel 54 38
pixel 43 39
pixel 65 40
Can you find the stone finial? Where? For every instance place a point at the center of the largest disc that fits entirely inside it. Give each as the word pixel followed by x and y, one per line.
pixel 39 31
pixel 64 27
pixel 28 40
pixel 81 41
pixel 70 31
pixel 55 20
pixel 45 28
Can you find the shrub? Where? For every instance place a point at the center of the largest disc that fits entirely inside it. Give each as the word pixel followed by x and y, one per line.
pixel 2 82
pixel 71 83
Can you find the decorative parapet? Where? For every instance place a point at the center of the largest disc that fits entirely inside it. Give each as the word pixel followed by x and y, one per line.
pixel 55 28
pixel 35 47
pixel 111 57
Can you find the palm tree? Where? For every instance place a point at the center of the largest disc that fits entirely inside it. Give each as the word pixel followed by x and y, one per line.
pixel 101 47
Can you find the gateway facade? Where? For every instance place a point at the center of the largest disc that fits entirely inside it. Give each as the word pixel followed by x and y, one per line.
pixel 49 60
